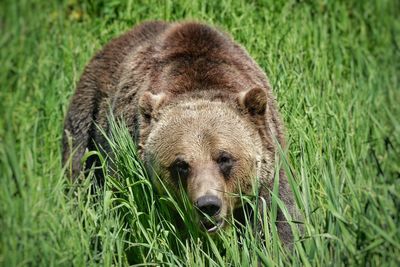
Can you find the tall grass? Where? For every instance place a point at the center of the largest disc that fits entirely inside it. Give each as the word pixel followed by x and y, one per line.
pixel 334 67
pixel 162 227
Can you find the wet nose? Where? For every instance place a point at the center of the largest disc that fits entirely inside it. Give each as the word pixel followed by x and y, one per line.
pixel 210 205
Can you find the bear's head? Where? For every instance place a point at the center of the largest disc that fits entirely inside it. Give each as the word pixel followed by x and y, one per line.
pixel 212 149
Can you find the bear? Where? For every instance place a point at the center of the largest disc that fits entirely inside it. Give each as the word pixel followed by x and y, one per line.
pixel 199 109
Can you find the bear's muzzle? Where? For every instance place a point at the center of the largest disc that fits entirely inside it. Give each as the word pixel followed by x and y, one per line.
pixel 209 206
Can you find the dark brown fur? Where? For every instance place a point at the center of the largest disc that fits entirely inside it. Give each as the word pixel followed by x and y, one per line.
pixel 180 62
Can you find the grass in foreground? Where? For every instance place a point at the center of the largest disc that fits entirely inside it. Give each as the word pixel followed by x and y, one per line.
pixel 334 67
pixel 148 221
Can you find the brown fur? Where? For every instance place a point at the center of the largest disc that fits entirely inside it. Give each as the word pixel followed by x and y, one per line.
pixel 184 89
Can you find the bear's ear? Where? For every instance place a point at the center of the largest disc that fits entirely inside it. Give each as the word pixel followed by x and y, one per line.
pixel 149 103
pixel 254 101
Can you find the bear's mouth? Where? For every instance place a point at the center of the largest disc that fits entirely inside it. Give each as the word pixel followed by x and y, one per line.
pixel 212 225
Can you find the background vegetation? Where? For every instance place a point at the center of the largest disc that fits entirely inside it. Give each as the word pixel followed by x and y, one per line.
pixel 334 67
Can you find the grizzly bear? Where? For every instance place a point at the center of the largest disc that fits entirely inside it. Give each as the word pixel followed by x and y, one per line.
pixel 199 109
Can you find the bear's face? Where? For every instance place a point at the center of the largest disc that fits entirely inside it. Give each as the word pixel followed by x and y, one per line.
pixel 209 149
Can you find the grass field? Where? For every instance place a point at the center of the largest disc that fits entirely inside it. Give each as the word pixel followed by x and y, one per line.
pixel 334 67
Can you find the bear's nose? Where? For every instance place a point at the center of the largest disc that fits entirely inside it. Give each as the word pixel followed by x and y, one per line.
pixel 210 205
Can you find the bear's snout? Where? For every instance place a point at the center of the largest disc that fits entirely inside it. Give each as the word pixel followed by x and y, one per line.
pixel 209 205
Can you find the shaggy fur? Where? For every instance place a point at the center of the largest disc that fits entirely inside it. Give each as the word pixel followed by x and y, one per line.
pixel 185 90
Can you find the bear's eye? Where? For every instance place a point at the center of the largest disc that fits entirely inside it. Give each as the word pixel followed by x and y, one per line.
pixel 147 117
pixel 225 162
pixel 180 169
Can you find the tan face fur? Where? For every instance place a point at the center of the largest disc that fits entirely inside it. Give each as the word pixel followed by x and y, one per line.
pixel 217 149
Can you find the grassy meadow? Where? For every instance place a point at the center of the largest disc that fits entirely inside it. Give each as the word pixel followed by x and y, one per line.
pixel 334 67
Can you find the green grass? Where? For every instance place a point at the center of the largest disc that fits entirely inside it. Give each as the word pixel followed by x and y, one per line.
pixel 334 67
